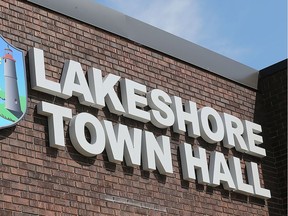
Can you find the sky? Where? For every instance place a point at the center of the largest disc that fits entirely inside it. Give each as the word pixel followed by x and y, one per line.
pixel 252 32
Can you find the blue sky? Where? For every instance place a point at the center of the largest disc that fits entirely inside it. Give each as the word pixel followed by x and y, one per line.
pixel 251 32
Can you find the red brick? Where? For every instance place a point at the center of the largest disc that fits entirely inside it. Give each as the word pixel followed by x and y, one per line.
pixel 36 179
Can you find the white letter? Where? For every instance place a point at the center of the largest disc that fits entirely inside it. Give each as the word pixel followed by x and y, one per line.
pixel 190 163
pixel 102 90
pixel 251 138
pixel 37 72
pixel 156 150
pixel 236 172
pixel 161 114
pixel 216 132
pixel 188 117
pixel 119 139
pixel 73 82
pixel 233 133
pixel 132 97
pixel 56 115
pixel 78 138
pixel 219 171
pixel 253 178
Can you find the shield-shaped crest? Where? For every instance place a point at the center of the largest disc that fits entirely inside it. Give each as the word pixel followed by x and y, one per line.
pixel 13 86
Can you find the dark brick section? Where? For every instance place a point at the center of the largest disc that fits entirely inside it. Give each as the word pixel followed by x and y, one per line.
pixel 36 179
pixel 271 113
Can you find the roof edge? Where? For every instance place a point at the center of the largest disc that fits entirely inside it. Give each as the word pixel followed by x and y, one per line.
pixel 120 24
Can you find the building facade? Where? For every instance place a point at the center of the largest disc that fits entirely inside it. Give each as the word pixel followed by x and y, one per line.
pixel 37 178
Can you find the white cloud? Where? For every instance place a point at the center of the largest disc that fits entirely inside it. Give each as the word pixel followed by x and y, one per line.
pixel 185 18
pixel 177 17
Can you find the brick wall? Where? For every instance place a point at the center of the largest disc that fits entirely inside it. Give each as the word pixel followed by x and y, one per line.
pixel 271 113
pixel 37 179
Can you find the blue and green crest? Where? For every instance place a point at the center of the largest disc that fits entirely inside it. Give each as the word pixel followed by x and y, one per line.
pixel 13 86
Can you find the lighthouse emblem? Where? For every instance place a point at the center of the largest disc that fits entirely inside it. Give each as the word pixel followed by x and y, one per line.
pixel 13 87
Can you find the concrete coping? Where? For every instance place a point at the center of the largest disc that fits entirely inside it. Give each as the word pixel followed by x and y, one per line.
pixel 120 24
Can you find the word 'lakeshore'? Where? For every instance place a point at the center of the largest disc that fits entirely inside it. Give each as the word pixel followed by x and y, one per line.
pixel 134 144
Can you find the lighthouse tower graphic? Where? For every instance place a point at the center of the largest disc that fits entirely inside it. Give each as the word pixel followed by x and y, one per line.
pixel 12 102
